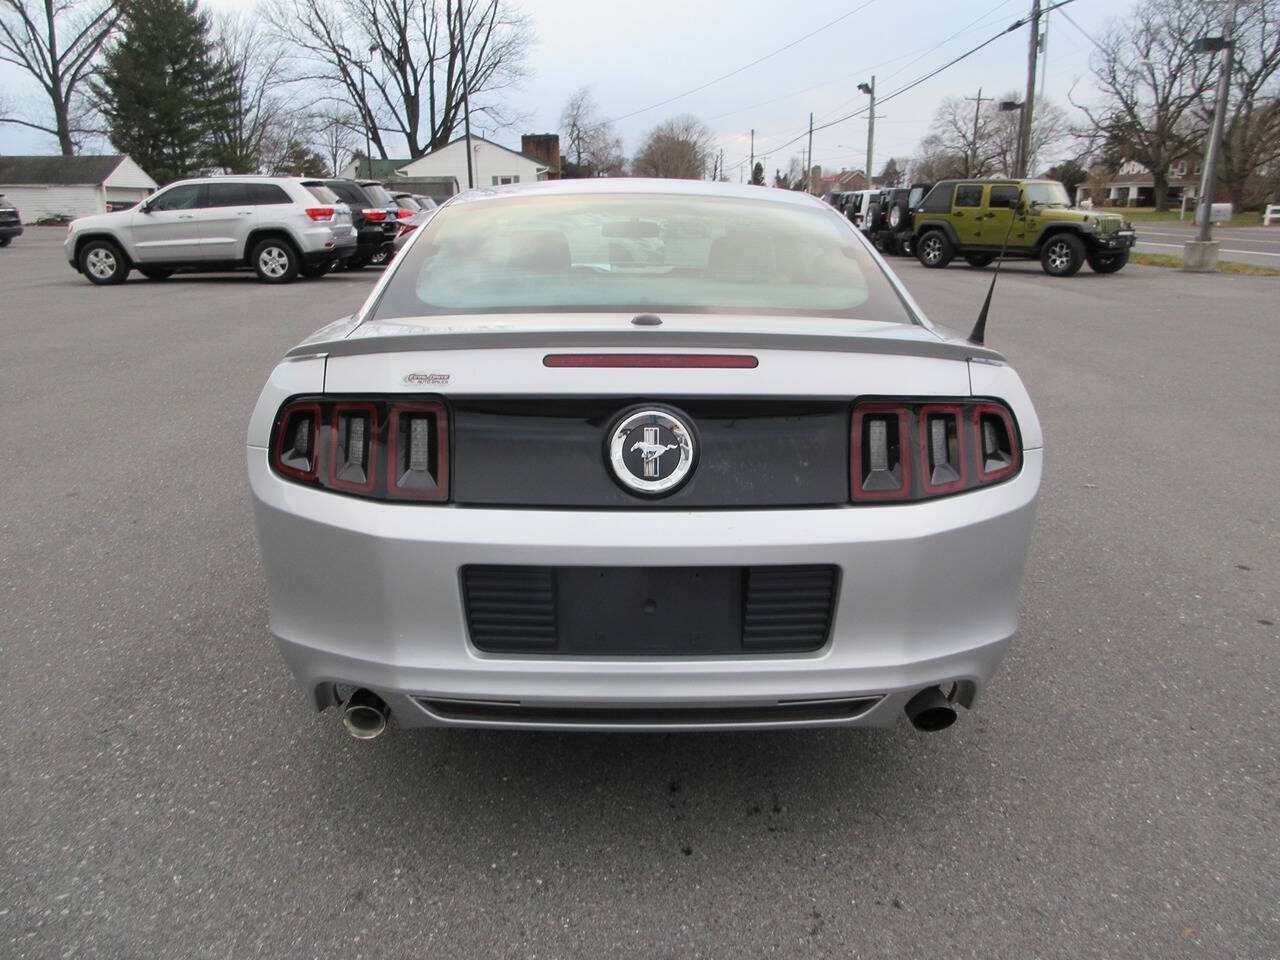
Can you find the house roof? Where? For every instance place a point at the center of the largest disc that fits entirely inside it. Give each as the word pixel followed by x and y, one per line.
pixel 540 162
pixel 62 171
pixel 377 169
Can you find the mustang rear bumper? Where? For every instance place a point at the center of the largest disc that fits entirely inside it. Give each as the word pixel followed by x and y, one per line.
pixel 366 594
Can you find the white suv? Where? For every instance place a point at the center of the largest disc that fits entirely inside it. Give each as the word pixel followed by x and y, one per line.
pixel 280 226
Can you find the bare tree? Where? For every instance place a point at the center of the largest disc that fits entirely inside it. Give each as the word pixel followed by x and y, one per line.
pixel 255 75
pixel 590 143
pixel 677 149
pixel 57 42
pixel 1151 82
pixel 398 62
pixel 962 135
pixel 337 133
pixel 1251 143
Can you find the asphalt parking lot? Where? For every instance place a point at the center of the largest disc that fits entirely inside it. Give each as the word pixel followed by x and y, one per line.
pixel 166 791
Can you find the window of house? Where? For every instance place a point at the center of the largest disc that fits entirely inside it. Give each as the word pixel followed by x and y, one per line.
pixel 503 181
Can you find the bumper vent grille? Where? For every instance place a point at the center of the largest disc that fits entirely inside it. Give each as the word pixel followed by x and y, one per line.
pixel 512 609
pixel 787 609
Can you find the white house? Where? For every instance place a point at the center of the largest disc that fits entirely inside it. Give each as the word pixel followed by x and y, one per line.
pixel 43 187
pixel 492 164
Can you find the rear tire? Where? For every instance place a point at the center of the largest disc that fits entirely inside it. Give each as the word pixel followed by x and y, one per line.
pixel 4 241
pixel 103 263
pixel 907 246
pixel 935 250
pixel 356 263
pixel 275 261
pixel 875 217
pixel 155 273
pixel 897 216
pixel 382 256
pixel 979 260
pixel 1108 262
pixel 1062 255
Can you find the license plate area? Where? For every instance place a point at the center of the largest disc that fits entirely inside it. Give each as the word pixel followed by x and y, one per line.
pixel 648 611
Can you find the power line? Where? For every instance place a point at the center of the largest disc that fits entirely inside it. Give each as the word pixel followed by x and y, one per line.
pixel 1016 25
pixel 734 73
pixel 1085 33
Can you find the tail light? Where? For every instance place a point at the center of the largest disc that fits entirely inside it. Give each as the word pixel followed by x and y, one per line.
pixel 908 450
pixel 405 228
pixel 377 216
pixel 377 448
pixel 321 214
pixel 403 214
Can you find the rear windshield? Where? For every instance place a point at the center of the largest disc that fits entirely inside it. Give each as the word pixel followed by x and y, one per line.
pixel 407 203
pixel 378 195
pixel 639 253
pixel 322 193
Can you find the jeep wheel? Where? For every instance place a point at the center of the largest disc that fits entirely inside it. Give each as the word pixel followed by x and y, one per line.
pixel 1108 262
pixel 103 263
pixel 1063 255
pixel 275 261
pixel 874 220
pixel 979 260
pixel 935 249
pixel 906 245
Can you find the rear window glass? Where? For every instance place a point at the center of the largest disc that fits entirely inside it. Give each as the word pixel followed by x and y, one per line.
pixel 322 193
pixel 351 193
pixel 969 195
pixel 637 253
pixel 1004 196
pixel 408 203
pixel 378 194
pixel 266 194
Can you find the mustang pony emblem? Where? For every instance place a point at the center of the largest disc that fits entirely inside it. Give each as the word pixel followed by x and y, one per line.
pixel 651 450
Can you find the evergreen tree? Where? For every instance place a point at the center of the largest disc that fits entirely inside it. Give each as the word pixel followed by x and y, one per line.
pixel 164 89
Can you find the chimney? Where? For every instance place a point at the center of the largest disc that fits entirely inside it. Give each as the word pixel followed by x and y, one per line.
pixel 545 148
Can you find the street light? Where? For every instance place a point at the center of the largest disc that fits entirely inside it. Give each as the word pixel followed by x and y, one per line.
pixel 1201 254
pixel 365 112
pixel 870 90
pixel 1008 106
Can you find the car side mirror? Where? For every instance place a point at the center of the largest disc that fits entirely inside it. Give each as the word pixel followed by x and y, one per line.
pixel 145 206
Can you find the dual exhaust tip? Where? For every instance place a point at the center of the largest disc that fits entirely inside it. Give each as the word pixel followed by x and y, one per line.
pixel 365 715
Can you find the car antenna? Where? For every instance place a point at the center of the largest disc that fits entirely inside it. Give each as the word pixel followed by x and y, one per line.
pixel 980 328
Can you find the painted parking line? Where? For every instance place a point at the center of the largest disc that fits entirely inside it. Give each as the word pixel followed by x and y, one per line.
pixel 1237 237
pixel 1179 246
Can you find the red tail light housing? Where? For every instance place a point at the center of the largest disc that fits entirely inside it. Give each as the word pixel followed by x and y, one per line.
pixel 379 448
pixel 405 228
pixel 403 214
pixel 377 216
pixel 909 450
pixel 322 214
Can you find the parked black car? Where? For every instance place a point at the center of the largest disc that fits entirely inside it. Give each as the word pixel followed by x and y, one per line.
pixel 890 218
pixel 375 220
pixel 10 222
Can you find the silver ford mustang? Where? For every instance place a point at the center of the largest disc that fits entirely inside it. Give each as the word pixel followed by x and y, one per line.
pixel 632 454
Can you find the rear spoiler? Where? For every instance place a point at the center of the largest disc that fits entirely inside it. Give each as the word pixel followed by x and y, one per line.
pixel 638 339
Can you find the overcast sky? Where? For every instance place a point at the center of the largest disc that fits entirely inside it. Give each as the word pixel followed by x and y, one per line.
pixel 634 55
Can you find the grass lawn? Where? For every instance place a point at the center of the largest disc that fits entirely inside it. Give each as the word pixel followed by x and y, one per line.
pixel 1165 260
pixel 1251 218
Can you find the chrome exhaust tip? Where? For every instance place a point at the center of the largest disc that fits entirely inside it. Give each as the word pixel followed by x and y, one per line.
pixel 365 715
pixel 930 710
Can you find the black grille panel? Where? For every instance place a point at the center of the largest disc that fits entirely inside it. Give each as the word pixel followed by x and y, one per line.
pixel 649 611
pixel 511 609
pixel 787 608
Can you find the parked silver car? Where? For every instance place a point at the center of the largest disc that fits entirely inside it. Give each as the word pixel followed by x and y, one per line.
pixel 642 454
pixel 279 226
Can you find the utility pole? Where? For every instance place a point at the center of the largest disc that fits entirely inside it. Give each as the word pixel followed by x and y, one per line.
pixel 1202 253
pixel 1024 130
pixel 720 165
pixel 869 88
pixel 808 170
pixel 977 116
pixel 753 153
pixel 466 105
pixel 1044 52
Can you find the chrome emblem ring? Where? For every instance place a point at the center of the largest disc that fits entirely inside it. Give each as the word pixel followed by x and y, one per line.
pixel 651 451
